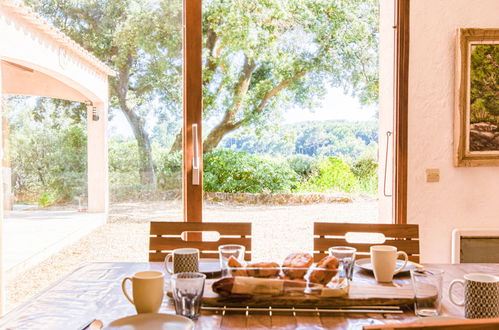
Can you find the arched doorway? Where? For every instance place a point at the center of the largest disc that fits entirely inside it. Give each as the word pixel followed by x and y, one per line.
pixel 36 59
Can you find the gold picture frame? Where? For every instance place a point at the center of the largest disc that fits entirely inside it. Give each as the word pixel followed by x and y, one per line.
pixel 476 123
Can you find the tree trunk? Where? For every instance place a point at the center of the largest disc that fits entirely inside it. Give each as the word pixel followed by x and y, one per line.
pixel 146 168
pixel 228 123
pixel 177 143
pixel 216 135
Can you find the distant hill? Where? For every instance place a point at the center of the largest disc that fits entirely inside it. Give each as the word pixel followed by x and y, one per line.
pixel 347 140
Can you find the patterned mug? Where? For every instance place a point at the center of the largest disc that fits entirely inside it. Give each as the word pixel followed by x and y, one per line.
pixel 481 296
pixel 184 260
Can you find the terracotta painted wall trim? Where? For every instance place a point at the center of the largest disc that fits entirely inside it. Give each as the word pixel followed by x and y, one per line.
pixel 401 110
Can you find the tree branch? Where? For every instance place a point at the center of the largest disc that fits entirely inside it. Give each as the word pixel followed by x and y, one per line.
pixel 227 123
pixel 211 64
pixel 241 88
pixel 269 95
pixel 274 91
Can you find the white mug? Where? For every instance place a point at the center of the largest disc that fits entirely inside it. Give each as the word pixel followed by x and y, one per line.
pixel 184 260
pixel 384 258
pixel 481 295
pixel 147 291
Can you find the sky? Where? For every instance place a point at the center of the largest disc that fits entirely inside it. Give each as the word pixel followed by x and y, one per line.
pixel 336 106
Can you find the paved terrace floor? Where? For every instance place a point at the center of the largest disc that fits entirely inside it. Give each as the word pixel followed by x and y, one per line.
pixel 31 236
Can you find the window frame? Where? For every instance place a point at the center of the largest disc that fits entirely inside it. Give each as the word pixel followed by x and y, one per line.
pixel 193 100
pixel 402 33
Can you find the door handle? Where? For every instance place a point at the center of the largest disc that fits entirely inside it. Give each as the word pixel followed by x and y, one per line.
pixel 388 134
pixel 195 156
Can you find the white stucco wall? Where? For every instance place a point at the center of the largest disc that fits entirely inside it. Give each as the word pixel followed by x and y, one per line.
pixel 42 62
pixel 23 44
pixel 464 197
pixel 2 272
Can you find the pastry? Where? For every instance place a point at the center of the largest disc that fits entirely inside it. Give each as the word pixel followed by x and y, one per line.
pixel 297 260
pixel 330 268
pixel 236 267
pixel 263 269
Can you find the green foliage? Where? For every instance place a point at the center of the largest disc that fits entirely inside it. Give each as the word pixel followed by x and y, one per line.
pixel 259 56
pixel 345 140
pixel 142 42
pixel 233 171
pixel 260 44
pixel 366 172
pixel 484 84
pixel 169 170
pixel 47 159
pixel 124 167
pixel 332 174
pixel 46 200
pixel 301 164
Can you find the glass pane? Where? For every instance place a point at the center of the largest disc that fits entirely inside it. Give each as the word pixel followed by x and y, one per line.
pixel 48 230
pixel 290 117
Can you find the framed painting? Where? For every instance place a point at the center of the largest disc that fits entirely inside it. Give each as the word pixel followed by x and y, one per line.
pixel 476 124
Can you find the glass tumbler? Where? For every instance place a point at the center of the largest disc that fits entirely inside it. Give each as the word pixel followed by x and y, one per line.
pixel 227 251
pixel 346 257
pixel 427 284
pixel 187 290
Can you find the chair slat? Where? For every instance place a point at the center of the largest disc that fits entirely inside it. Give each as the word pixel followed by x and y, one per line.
pixel 223 228
pixel 319 256
pixel 404 237
pixel 389 230
pixel 408 246
pixel 160 246
pixel 170 243
pixel 160 256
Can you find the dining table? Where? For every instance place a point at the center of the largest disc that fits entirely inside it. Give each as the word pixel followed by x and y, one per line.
pixel 93 291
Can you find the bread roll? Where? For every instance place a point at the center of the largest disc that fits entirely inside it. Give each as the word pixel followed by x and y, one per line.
pixel 263 269
pixel 330 268
pixel 234 263
pixel 297 260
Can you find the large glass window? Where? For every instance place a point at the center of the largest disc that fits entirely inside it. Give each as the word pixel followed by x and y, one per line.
pixel 290 127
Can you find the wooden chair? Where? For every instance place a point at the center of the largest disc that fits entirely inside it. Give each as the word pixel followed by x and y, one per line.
pixel 482 324
pixel 167 236
pixel 404 237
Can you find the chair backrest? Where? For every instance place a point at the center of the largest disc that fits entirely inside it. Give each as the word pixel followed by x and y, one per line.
pixel 479 324
pixel 327 234
pixel 167 236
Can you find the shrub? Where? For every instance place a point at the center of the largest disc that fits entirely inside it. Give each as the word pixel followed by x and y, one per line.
pixel 46 199
pixel 47 160
pixel 123 167
pixel 236 171
pixel 366 172
pixel 301 164
pixel 331 174
pixel 169 170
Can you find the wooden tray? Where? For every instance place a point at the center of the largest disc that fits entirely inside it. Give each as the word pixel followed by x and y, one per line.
pixel 360 294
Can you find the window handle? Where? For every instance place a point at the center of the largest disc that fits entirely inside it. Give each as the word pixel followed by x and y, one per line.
pixel 388 134
pixel 195 156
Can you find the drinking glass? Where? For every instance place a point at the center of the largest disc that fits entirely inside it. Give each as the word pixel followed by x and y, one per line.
pixel 187 290
pixel 226 251
pixel 346 257
pixel 427 284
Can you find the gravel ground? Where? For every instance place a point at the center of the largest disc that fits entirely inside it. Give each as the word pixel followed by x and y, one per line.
pixel 277 230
